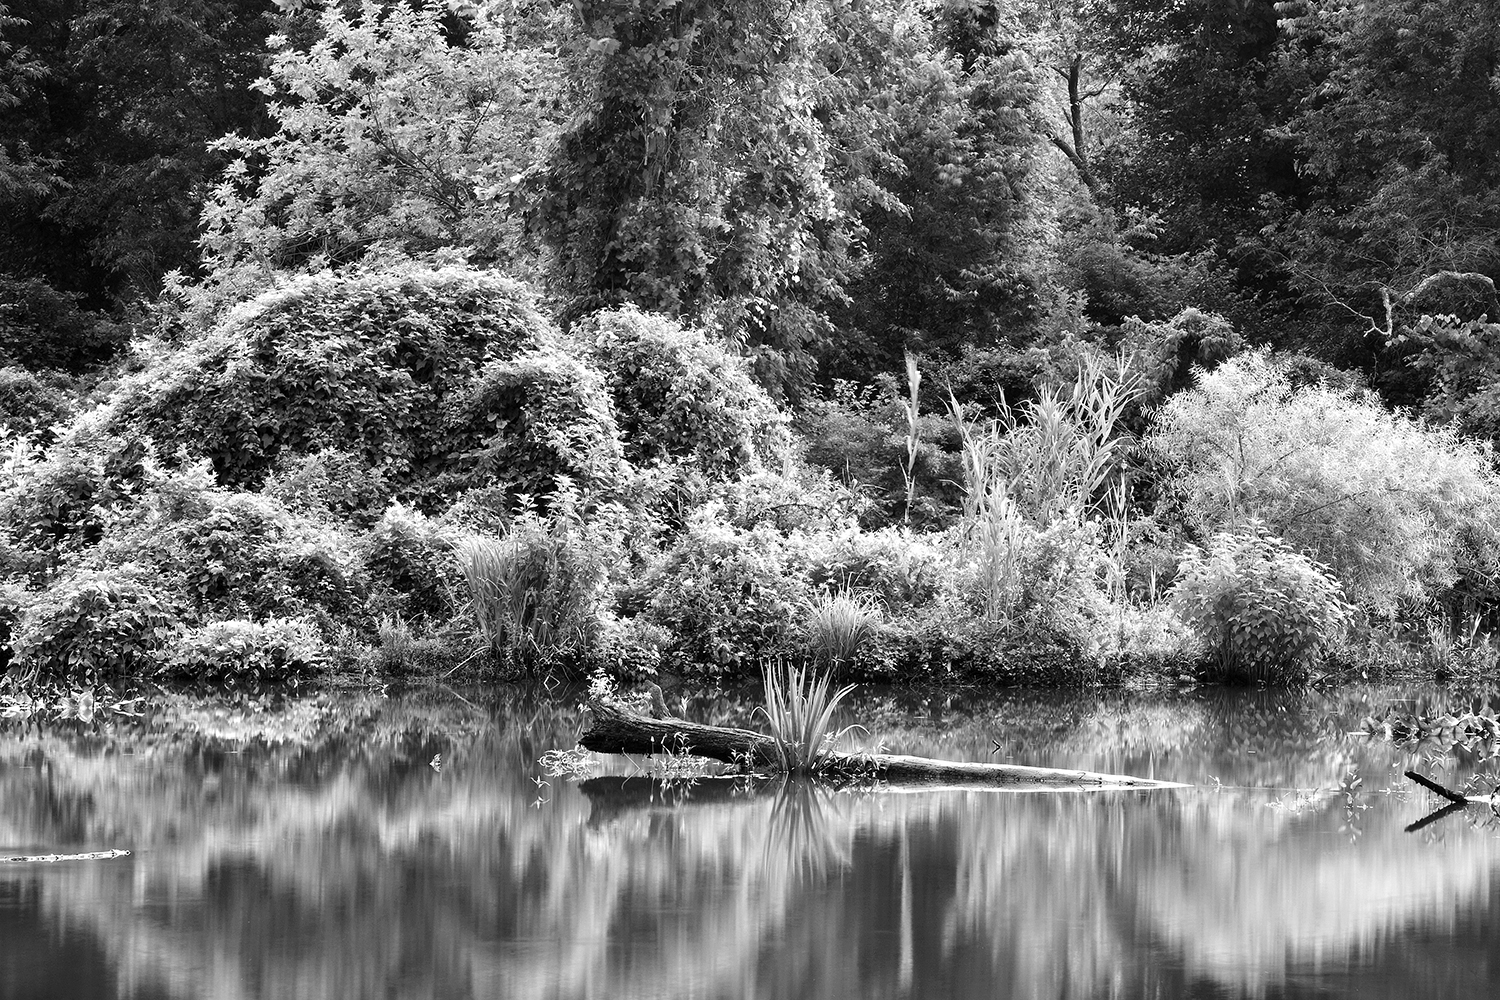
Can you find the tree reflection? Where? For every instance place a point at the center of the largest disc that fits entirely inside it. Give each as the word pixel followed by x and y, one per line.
pixel 320 856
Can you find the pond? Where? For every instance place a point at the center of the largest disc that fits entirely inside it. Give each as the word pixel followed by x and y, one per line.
pixel 362 846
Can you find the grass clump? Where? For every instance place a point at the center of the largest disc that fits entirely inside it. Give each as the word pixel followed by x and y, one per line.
pixel 838 624
pixel 531 593
pixel 799 709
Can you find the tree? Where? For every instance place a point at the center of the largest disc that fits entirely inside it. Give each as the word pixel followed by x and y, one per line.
pixel 692 181
pixel 119 102
pixel 1398 131
pixel 396 126
pixel 947 207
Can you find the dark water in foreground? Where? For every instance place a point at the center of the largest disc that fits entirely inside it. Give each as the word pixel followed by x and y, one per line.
pixel 313 851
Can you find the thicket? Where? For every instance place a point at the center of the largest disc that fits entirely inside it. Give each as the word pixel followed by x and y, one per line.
pixel 908 337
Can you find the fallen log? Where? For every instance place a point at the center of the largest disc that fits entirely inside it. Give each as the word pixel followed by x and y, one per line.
pixel 615 730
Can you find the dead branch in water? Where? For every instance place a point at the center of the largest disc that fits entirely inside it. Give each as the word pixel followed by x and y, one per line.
pixel 614 730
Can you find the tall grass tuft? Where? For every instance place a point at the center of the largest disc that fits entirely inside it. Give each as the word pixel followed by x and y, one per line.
pixel 799 708
pixel 1055 456
pixel 838 624
pixel 530 593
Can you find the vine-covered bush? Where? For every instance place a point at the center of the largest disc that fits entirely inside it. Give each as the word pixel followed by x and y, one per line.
pixel 410 562
pixel 902 569
pixel 361 363
pixel 729 597
pixel 539 416
pixel 57 504
pixel 678 395
pixel 237 554
pixel 92 626
pixel 237 651
pixel 1263 611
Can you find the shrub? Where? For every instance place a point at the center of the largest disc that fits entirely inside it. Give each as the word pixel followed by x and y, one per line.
pixel 91 626
pixel 1165 353
pixel 30 402
pixel 238 651
pixel 536 417
pixel 631 647
pixel 534 593
pixel 58 504
pixel 900 568
pixel 237 554
pixel 679 396
pixel 411 565
pixel 1264 612
pixel 1398 510
pixel 362 363
pixel 330 484
pixel 730 597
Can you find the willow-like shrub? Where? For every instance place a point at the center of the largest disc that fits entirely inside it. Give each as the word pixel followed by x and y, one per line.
pixel 1397 510
pixel 1264 612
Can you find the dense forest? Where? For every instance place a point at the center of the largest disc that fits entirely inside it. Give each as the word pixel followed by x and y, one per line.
pixel 1004 339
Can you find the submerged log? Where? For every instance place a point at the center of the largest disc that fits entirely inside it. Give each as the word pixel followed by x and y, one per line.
pixel 614 730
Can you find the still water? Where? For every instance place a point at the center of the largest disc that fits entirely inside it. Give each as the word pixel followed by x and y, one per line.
pixel 363 846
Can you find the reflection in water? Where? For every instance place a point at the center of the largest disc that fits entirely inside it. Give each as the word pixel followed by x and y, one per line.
pixel 311 851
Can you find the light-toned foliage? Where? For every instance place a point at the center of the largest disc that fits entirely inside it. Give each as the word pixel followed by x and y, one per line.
pixel 390 130
pixel 1396 509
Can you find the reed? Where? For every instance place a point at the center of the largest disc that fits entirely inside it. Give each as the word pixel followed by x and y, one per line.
pixel 526 591
pixel 839 623
pixel 799 709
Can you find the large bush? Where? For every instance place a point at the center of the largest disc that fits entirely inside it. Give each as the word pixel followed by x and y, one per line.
pixel 230 554
pixel 538 416
pixel 56 504
pixel 361 363
pixel 91 626
pixel 1263 611
pixel 677 395
pixel 729 597
pixel 1398 510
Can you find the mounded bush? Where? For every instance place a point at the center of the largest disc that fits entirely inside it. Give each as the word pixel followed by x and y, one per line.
pixel 57 504
pixel 729 597
pixel 361 363
pixel 91 626
pixel 677 395
pixel 239 555
pixel 535 417
pixel 1264 612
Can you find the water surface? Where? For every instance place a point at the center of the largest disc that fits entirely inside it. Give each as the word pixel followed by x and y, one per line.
pixel 362 846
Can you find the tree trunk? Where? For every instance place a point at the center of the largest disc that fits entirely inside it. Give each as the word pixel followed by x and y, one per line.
pixel 616 731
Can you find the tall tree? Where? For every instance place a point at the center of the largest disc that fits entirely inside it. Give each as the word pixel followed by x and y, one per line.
pixel 692 179
pixel 395 126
